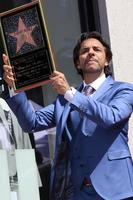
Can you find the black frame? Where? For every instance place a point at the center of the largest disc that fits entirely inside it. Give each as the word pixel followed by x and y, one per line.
pixel 32 64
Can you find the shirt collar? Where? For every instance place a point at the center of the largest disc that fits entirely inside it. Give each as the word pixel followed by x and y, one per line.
pixel 96 84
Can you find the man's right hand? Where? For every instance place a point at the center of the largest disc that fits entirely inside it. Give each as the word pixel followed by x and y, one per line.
pixel 8 74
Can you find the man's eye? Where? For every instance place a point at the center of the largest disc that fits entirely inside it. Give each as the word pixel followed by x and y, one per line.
pixel 97 49
pixel 83 51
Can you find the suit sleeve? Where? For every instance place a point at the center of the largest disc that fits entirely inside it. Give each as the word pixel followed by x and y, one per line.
pixel 29 120
pixel 115 110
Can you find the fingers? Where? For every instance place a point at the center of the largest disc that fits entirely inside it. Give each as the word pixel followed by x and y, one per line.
pixel 57 75
pixel 8 74
pixel 5 59
pixel 59 82
pixel 57 78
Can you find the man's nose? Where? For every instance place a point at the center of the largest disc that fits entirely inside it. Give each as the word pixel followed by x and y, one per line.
pixel 90 52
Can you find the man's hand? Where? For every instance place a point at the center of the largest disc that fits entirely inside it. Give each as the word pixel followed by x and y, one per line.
pixel 59 82
pixel 8 74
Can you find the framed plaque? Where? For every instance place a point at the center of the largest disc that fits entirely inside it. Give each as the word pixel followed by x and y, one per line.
pixel 27 44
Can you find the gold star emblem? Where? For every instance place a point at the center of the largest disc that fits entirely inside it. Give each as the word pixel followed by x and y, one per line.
pixel 23 35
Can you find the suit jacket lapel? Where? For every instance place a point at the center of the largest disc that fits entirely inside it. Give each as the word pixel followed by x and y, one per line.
pixel 103 88
pixel 66 112
pixel 63 120
pixel 88 130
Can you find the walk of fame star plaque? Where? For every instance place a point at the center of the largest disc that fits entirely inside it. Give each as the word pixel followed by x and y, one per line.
pixel 27 44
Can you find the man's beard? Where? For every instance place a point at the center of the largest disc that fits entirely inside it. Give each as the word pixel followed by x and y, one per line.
pixel 91 70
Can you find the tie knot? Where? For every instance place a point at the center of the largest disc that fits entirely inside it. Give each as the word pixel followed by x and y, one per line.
pixel 88 90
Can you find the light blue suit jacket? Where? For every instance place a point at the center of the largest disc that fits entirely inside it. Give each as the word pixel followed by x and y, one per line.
pixel 101 151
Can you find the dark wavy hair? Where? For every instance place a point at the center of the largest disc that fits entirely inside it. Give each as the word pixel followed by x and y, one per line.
pixel 98 36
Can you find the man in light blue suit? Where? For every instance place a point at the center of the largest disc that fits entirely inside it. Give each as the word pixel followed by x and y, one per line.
pixel 92 157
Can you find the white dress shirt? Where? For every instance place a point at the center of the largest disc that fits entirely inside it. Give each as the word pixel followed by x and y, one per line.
pixel 95 84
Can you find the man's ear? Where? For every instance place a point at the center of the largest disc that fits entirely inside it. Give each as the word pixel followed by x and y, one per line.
pixel 77 64
pixel 106 64
pixel 78 67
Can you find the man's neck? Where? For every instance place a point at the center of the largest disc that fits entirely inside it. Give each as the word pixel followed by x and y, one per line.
pixel 91 77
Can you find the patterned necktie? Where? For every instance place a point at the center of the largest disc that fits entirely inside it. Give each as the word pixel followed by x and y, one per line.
pixel 88 90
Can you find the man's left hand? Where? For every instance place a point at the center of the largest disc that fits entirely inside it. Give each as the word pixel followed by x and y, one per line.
pixel 59 82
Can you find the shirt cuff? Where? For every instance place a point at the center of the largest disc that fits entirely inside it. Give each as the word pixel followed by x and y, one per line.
pixel 70 94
